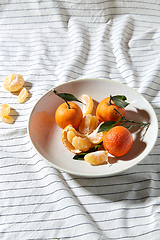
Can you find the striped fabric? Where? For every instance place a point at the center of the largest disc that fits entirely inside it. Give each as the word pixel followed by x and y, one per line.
pixel 50 42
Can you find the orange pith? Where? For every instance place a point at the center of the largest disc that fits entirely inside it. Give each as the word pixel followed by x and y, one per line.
pixel 13 82
pixel 106 112
pixel 118 141
pixel 65 116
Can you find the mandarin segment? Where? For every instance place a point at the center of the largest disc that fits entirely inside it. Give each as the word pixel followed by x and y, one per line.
pixel 118 141
pixel 96 158
pixel 88 104
pixel 7 119
pixel 67 144
pixel 13 82
pixel 22 95
pixel 88 124
pixel 72 133
pixel 83 144
pixel 4 109
pixel 96 137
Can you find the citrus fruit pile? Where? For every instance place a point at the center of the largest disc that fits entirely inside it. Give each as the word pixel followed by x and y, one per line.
pixel 13 83
pixel 92 137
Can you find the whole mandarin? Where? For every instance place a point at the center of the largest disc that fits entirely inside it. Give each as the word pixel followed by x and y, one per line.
pixel 105 111
pixel 65 115
pixel 118 141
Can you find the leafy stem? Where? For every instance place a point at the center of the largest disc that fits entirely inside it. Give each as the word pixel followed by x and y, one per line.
pixel 119 100
pixel 66 97
pixel 123 120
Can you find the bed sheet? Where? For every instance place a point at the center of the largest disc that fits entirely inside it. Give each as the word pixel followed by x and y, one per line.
pixel 51 42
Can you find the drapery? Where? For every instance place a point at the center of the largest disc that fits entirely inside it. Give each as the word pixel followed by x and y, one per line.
pixel 50 42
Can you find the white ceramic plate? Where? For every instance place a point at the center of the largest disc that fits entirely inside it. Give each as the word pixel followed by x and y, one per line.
pixel 45 135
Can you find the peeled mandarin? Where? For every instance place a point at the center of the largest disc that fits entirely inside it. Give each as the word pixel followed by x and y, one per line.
pixel 13 82
pixel 22 95
pixel 96 158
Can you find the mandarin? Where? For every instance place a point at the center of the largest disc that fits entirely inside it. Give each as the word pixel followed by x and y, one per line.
pixel 13 82
pixel 105 111
pixel 118 141
pixel 65 115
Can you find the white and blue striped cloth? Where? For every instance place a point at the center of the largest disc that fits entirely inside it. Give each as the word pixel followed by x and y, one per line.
pixel 49 42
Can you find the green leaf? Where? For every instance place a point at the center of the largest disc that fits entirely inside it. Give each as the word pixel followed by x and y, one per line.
pixel 122 97
pixel 80 156
pixel 119 100
pixel 107 126
pixel 66 96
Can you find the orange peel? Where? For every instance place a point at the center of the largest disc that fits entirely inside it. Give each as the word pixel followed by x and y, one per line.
pixel 74 141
